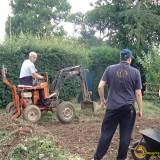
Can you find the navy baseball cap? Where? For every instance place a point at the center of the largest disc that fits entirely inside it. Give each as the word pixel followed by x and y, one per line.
pixel 125 54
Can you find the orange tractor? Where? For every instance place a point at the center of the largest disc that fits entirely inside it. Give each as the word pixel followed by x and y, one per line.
pixel 25 99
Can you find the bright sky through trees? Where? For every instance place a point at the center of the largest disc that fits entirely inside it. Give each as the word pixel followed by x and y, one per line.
pixel 77 5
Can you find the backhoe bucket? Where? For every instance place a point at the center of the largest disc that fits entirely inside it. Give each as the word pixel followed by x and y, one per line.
pixel 88 106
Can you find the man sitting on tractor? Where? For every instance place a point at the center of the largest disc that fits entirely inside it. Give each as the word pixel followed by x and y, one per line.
pixel 28 73
pixel 28 70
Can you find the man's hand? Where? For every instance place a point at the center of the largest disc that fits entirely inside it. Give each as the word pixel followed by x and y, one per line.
pixel 139 114
pixel 41 77
pixel 37 76
pixel 103 103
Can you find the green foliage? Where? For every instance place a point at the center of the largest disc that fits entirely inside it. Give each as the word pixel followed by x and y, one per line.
pixel 100 58
pixel 35 17
pixel 151 65
pixel 151 107
pixel 80 27
pixel 53 55
pixel 125 24
pixel 39 148
pixel 3 133
pixel 76 18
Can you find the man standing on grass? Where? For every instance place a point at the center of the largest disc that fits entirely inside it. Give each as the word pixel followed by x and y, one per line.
pixel 124 85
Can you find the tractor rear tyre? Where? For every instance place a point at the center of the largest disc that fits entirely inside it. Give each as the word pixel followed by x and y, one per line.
pixel 138 151
pixel 11 109
pixel 32 113
pixel 65 112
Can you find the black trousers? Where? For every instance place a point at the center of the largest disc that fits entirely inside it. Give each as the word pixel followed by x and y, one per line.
pixel 41 98
pixel 125 117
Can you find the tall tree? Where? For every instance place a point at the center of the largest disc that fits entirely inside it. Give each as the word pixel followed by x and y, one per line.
pixel 127 23
pixel 86 33
pixel 38 17
pixel 77 19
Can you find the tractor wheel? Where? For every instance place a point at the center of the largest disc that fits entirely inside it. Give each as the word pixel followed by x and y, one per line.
pixel 32 113
pixel 138 151
pixel 10 108
pixel 65 112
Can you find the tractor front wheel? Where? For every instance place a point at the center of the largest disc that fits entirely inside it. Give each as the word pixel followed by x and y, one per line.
pixel 65 112
pixel 32 113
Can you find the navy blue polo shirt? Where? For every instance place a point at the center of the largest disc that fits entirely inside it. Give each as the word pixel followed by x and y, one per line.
pixel 122 80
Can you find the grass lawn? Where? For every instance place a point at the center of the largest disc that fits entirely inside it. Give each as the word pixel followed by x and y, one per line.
pixel 151 107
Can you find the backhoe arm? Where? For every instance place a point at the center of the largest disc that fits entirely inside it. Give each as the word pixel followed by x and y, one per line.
pixel 4 77
pixel 67 73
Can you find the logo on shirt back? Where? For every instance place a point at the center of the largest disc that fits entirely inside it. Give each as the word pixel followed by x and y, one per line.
pixel 121 73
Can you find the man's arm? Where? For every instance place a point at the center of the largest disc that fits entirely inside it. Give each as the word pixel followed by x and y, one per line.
pixel 101 91
pixel 37 76
pixel 33 71
pixel 139 102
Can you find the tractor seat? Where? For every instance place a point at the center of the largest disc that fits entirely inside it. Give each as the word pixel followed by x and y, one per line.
pixel 24 86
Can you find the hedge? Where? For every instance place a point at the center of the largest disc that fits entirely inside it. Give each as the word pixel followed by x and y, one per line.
pixel 100 58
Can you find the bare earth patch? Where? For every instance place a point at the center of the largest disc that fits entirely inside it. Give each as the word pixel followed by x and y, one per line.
pixel 82 137
pixel 79 137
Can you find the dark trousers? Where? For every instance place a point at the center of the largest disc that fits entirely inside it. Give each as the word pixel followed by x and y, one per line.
pixel 125 117
pixel 26 80
pixel 41 98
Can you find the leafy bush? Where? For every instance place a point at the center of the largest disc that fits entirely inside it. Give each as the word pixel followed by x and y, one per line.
pixel 151 65
pixel 39 148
